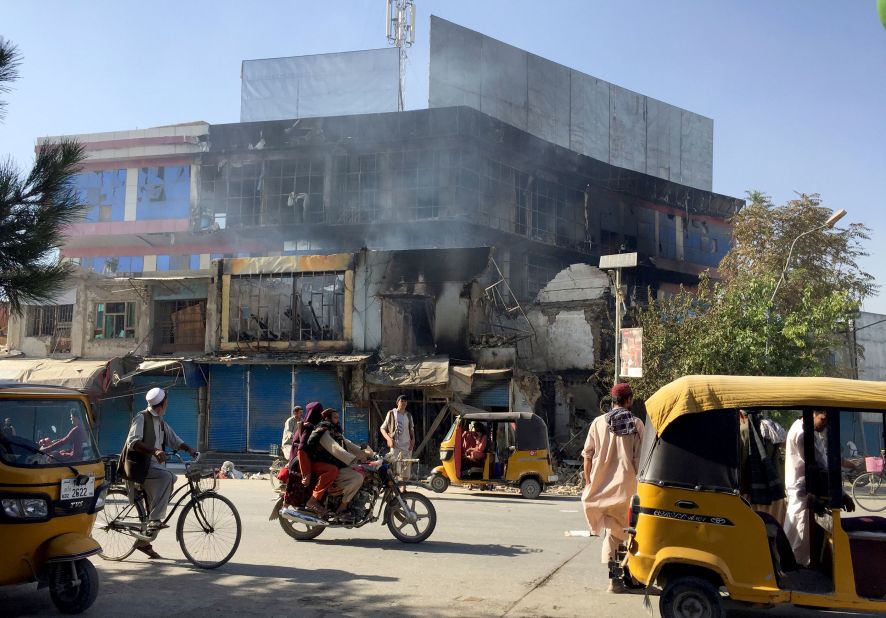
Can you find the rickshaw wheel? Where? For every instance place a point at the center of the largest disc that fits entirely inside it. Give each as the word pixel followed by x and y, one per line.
pixel 690 597
pixel 439 483
pixel 69 598
pixel 530 488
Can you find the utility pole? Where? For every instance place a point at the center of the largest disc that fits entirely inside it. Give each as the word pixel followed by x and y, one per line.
pixel 400 32
pixel 616 262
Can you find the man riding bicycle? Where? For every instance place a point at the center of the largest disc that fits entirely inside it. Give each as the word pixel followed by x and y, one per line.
pixel 149 437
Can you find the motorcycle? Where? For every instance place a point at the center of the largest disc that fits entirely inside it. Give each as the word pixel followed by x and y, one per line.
pixel 409 515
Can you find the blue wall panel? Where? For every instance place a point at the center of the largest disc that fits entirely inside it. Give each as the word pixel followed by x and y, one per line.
pixel 114 416
pixel 317 384
pixel 270 399
pixel 107 187
pixel 164 192
pixel 227 408
pixel 181 412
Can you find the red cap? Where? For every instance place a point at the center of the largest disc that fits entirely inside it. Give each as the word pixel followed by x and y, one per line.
pixel 622 390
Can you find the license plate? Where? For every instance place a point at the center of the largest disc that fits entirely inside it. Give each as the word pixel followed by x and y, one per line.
pixel 72 491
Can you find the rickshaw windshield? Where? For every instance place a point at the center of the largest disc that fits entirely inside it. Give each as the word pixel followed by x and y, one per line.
pixel 45 433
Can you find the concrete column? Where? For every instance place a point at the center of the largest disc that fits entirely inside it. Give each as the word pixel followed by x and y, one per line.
pixel 205 262
pixel 679 231
pixel 131 201
pixel 150 263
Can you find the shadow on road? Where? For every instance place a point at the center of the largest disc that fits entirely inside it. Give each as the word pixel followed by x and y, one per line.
pixel 504 498
pixel 434 547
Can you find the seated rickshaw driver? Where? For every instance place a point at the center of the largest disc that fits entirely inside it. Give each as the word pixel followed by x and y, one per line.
pixel 473 445
pixel 73 440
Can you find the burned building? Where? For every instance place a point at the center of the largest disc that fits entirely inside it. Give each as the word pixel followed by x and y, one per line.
pixel 446 252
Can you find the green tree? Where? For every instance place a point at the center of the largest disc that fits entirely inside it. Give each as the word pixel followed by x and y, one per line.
pixel 35 209
pixel 728 324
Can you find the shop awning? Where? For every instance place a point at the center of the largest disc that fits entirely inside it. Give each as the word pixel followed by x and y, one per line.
pixel 414 373
pixel 79 374
pixel 318 358
pixel 146 366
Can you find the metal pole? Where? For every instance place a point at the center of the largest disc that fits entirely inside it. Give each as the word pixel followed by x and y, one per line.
pixel 617 324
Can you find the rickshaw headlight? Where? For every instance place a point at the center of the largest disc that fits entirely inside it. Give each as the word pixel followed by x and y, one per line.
pixel 445 455
pixel 25 508
pixel 100 498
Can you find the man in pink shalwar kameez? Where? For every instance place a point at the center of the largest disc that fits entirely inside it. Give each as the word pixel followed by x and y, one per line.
pixel 611 456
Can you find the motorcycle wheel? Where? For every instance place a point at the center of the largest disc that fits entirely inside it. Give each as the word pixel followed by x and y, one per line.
pixel 300 531
pixel 398 520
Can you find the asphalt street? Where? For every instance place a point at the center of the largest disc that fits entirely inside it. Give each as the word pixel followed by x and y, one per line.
pixel 492 554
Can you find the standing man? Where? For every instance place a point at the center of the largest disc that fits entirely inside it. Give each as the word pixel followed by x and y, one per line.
pixel 149 437
pixel 796 523
pixel 611 457
pixel 289 428
pixel 399 433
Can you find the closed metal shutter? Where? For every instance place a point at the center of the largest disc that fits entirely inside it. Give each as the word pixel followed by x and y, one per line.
pixel 317 384
pixel 489 394
pixel 181 411
pixel 270 398
pixel 114 418
pixel 227 408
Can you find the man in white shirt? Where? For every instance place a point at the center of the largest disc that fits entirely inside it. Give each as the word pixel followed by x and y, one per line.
pixel 399 434
pixel 797 522
pixel 150 436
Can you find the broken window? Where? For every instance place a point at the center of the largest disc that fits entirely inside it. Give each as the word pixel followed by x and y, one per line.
pixel 539 272
pixel 48 320
pixel 407 325
pixel 179 325
pixel 287 307
pixel 357 181
pixel 115 320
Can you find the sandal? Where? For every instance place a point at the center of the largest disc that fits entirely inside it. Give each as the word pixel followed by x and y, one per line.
pixel 149 551
pixel 315 507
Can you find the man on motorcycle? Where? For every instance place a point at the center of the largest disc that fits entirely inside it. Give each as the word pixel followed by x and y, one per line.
pixel 327 444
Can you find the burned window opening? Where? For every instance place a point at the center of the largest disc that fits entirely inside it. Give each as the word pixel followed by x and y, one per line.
pixel 179 325
pixel 287 307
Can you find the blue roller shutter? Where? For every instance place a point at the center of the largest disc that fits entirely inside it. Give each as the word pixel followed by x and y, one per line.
pixel 489 394
pixel 181 411
pixel 227 408
pixel 114 417
pixel 317 384
pixel 270 399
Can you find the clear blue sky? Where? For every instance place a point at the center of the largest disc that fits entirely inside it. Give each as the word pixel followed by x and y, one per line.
pixel 797 90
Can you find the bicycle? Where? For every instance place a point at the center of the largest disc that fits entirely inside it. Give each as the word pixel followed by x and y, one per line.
pixel 208 529
pixel 869 489
pixel 274 469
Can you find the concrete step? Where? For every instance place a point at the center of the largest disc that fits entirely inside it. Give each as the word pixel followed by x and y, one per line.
pixel 245 462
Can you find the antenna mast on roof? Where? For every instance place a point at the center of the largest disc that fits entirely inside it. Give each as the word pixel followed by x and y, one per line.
pixel 400 32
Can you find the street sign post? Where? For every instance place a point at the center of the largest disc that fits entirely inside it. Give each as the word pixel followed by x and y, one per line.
pixel 616 262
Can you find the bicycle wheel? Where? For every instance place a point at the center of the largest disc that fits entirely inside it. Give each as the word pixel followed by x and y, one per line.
pixel 112 522
pixel 208 530
pixel 869 492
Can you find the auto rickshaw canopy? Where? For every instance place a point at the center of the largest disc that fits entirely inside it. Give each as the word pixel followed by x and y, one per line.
pixel 703 393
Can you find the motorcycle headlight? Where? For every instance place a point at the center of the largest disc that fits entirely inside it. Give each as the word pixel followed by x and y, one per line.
pixel 25 508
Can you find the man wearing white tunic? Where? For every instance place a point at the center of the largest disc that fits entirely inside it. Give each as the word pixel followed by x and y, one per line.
pixel 611 457
pixel 796 523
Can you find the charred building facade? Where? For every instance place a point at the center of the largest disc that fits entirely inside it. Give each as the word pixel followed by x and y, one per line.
pixel 449 252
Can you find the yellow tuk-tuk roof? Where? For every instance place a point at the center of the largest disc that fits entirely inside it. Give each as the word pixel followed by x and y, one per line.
pixel 691 394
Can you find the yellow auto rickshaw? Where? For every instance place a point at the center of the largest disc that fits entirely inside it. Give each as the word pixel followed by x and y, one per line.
pixel 693 532
pixel 508 448
pixel 51 486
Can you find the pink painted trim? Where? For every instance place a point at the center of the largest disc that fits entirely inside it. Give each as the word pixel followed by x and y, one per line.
pixel 140 141
pixel 127 227
pixel 178 249
pixel 116 164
